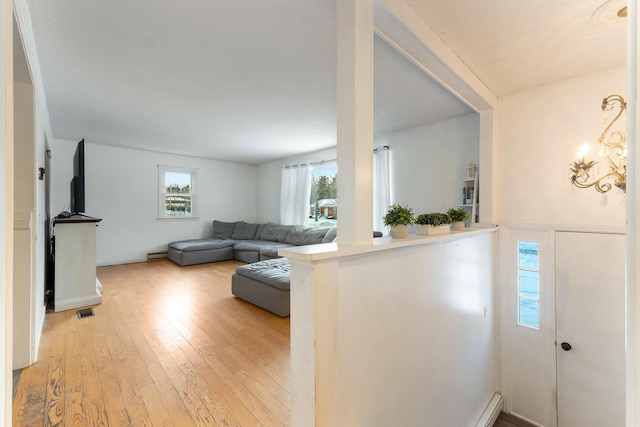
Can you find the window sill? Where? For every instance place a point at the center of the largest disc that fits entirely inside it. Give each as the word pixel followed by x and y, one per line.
pixel 177 218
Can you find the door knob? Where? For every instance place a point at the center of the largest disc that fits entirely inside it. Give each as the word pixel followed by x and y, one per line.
pixel 565 346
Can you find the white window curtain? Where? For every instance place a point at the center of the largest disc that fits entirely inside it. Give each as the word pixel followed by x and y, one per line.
pixel 295 192
pixel 381 188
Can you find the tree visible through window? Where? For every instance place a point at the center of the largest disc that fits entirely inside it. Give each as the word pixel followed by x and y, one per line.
pixel 177 192
pixel 323 204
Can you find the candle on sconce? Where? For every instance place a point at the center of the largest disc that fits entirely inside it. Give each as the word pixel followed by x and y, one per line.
pixel 582 154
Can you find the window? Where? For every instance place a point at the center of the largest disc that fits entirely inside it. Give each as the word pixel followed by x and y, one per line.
pixel 323 203
pixel 177 198
pixel 528 284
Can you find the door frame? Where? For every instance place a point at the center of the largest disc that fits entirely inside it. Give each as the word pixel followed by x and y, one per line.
pixel 511 332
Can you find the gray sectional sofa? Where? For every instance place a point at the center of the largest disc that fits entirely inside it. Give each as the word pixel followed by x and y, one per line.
pixel 246 242
pixel 265 281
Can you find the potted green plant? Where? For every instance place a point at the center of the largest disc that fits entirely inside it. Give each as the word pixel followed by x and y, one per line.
pixel 399 218
pixel 433 223
pixel 458 218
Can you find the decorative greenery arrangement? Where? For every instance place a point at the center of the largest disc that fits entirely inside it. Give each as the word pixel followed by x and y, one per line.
pixel 399 215
pixel 460 214
pixel 435 218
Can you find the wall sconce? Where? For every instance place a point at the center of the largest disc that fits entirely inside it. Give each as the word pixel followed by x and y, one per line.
pixel 40 174
pixel 613 149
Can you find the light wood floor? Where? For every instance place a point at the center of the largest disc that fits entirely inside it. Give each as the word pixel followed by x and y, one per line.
pixel 169 345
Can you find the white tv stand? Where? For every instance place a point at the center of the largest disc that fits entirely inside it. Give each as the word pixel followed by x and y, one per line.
pixel 75 282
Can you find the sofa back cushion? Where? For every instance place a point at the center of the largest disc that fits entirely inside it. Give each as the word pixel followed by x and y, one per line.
pixel 330 236
pixel 259 231
pixel 275 232
pixel 301 236
pixel 223 230
pixel 244 231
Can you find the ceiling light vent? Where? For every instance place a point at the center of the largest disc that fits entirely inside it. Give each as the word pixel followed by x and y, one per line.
pixel 611 12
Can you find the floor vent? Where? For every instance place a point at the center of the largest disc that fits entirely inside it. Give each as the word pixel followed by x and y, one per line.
pixel 156 255
pixel 85 312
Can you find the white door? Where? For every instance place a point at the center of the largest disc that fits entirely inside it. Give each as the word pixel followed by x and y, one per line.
pixel 590 281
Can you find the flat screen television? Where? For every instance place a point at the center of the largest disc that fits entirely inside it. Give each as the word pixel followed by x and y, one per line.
pixel 77 183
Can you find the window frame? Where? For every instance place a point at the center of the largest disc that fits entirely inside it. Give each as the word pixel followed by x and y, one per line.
pixel 314 167
pixel 519 295
pixel 193 187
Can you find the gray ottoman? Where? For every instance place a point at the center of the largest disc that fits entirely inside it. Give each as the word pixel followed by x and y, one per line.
pixel 265 284
pixel 198 251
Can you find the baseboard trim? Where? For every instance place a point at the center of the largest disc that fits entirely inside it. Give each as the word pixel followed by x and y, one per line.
pixel 40 328
pixel 121 261
pixel 491 412
pixel 520 420
pixel 157 255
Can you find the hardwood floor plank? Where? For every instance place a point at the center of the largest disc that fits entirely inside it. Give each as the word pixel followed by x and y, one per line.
pixel 93 400
pixel 30 401
pixel 54 411
pixel 136 408
pixel 213 352
pixel 102 330
pixel 116 410
pixel 75 414
pixel 177 411
pixel 169 345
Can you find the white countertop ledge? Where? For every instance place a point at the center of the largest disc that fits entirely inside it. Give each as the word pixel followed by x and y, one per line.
pixel 332 251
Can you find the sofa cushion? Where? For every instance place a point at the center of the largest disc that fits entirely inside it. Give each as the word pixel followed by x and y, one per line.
pixel 200 244
pixel 330 236
pixel 259 231
pixel 275 232
pixel 273 272
pixel 244 231
pixel 255 245
pixel 222 230
pixel 301 236
pixel 271 252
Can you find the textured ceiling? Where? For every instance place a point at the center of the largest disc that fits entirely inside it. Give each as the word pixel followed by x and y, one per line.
pixel 252 81
pixel 513 45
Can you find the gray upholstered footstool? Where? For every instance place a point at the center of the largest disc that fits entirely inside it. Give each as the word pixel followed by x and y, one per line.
pixel 265 284
pixel 189 252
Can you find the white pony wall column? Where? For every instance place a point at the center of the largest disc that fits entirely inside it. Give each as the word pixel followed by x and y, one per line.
pixel 6 207
pixel 314 286
pixel 355 121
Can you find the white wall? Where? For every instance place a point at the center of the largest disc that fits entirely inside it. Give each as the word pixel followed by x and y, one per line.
pixel 25 243
pixel 539 132
pixel 30 122
pixel 6 211
pixel 428 163
pixel 122 189
pixel 31 119
pixel 400 336
pixel 41 127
